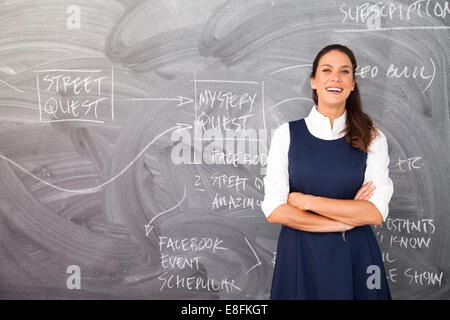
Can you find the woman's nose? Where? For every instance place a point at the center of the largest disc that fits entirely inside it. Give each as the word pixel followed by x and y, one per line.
pixel 336 75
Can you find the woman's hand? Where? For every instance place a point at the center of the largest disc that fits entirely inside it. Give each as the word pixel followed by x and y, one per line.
pixel 297 199
pixel 303 201
pixel 365 192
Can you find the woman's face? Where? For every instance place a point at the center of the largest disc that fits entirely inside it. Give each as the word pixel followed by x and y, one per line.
pixel 334 70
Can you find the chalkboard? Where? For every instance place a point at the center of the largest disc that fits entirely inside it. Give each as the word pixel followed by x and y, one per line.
pixel 134 139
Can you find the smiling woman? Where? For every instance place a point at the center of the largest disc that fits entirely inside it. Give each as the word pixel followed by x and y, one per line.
pixel 337 69
pixel 327 181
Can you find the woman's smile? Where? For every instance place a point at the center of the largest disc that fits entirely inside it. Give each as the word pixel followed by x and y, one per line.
pixel 334 78
pixel 334 90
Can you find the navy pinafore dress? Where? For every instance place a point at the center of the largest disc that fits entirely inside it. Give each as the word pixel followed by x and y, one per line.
pixel 324 265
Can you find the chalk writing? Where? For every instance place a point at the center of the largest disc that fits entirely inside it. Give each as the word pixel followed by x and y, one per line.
pixel 213 105
pixel 235 202
pixel 173 262
pixel 391 274
pixel 173 258
pixel 386 257
pixel 409 164
pixel 228 100
pixel 391 11
pixel 171 281
pixel 222 122
pixel 226 181
pixel 190 244
pixel 423 278
pixel 410 225
pixel 421 72
pixel 405 228
pixel 221 134
pixel 409 242
pixel 74 95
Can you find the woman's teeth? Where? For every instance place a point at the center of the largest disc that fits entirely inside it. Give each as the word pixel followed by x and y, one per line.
pixel 334 89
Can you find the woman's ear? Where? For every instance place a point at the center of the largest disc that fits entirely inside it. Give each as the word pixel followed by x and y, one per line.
pixel 313 83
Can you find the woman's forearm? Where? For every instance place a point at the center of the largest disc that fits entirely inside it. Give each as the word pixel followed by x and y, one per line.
pixel 299 219
pixel 353 212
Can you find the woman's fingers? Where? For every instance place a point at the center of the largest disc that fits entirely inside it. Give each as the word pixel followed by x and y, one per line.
pixel 367 195
pixel 366 191
pixel 362 189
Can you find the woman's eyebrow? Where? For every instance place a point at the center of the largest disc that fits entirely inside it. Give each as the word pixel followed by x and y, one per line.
pixel 329 65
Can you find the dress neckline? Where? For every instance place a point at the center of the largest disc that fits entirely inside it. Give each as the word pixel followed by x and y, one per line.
pixel 326 140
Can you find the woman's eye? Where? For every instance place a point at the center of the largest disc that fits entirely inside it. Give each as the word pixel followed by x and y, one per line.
pixel 344 71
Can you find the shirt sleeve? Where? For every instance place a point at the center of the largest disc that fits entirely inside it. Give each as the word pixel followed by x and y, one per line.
pixel 377 171
pixel 276 181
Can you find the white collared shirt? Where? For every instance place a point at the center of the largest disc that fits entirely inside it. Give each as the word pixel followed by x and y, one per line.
pixel 276 181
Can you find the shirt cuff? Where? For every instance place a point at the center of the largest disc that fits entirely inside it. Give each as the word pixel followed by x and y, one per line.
pixel 381 206
pixel 268 206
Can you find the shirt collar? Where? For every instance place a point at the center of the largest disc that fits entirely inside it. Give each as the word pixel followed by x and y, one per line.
pixel 319 123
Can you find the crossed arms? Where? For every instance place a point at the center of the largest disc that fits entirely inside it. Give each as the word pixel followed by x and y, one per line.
pixel 334 215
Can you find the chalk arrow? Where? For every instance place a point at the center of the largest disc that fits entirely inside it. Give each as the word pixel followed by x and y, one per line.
pixel 11 86
pixel 149 226
pixel 179 126
pixel 183 126
pixel 181 100
pixel 257 258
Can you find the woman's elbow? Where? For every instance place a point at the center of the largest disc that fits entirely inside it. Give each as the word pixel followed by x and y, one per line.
pixel 271 218
pixel 377 216
pixel 373 216
pixel 276 216
pixel 378 219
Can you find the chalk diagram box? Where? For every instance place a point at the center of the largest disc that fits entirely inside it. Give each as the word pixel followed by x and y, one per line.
pixel 85 95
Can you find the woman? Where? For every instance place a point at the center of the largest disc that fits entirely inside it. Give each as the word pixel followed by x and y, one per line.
pixel 327 181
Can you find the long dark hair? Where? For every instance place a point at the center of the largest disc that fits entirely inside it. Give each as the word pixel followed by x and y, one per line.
pixel 359 130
